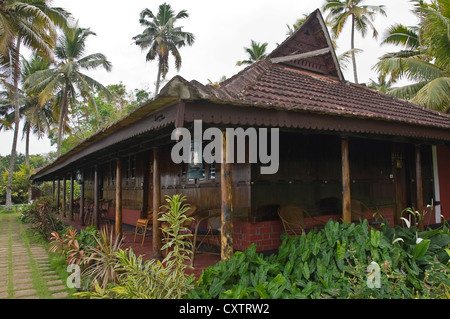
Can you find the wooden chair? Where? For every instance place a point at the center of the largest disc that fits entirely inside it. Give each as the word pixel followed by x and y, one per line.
pixel 358 208
pixel 104 208
pixel 293 219
pixel 141 226
pixel 206 236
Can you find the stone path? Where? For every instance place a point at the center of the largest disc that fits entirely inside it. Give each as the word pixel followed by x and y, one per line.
pixel 25 270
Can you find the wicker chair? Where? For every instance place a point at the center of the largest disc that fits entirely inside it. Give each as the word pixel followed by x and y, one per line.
pixel 293 219
pixel 206 236
pixel 358 208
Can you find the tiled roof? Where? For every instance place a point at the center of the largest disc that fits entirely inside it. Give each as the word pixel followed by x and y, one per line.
pixel 280 86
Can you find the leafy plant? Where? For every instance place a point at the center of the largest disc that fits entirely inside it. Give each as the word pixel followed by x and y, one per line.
pixel 42 215
pixel 332 263
pixel 178 243
pixel 102 261
pixel 124 275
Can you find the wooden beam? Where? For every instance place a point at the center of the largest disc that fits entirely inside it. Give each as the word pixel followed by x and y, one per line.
pixel 96 215
pixel 71 195
pixel 419 187
pixel 226 200
pixel 157 233
pixel 82 198
pixel 437 194
pixel 346 197
pixel 119 170
pixel 300 56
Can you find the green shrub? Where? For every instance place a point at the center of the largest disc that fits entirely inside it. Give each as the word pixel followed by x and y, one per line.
pixel 42 215
pixel 121 274
pixel 332 263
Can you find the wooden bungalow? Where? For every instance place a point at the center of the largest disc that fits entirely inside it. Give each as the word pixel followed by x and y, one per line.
pixel 340 144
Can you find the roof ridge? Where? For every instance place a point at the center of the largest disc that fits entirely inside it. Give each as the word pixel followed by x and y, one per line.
pixel 237 85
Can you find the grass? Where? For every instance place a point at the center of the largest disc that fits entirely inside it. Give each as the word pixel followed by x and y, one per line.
pixel 29 238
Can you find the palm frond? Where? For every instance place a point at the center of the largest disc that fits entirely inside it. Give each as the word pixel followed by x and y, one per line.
pixel 434 95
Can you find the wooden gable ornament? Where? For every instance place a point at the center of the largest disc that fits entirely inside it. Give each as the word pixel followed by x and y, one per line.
pixel 309 48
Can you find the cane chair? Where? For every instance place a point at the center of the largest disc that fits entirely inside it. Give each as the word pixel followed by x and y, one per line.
pixel 358 208
pixel 207 233
pixel 293 219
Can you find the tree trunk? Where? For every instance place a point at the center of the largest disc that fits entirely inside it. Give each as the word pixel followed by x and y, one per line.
pixel 27 157
pixel 62 114
pixel 16 74
pixel 158 79
pixel 355 73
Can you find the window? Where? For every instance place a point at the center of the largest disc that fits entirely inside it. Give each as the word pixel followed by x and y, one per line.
pixel 111 180
pixel 131 171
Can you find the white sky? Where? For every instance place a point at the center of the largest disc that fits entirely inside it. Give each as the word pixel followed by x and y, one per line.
pixel 222 29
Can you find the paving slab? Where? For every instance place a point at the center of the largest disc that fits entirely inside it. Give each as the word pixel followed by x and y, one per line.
pixel 24 259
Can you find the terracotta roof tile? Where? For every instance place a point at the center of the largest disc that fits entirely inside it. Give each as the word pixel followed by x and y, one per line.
pixel 280 86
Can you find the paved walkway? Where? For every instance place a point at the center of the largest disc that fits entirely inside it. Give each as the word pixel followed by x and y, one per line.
pixel 25 271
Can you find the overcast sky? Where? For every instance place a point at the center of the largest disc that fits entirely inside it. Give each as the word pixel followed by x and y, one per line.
pixel 222 29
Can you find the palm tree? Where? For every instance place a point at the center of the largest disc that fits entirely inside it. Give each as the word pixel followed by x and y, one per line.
pixel 424 58
pixel 361 16
pixel 296 25
pixel 32 23
pixel 64 81
pixel 39 118
pixel 162 38
pixel 256 52
pixel 382 85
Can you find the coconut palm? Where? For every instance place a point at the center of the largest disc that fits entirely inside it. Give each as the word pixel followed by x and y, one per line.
pixel 162 38
pixel 62 83
pixel 362 17
pixel 33 24
pixel 39 118
pixel 256 52
pixel 424 59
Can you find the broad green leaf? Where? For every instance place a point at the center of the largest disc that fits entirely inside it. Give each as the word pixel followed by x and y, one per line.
pixel 340 250
pixel 421 248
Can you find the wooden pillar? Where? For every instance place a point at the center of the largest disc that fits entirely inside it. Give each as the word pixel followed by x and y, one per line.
pixel 96 215
pixel 157 233
pixel 58 194
pixel 419 188
pixel 71 195
pixel 437 194
pixel 346 197
pixel 119 169
pixel 53 188
pixel 226 204
pixel 82 198
pixel 64 196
